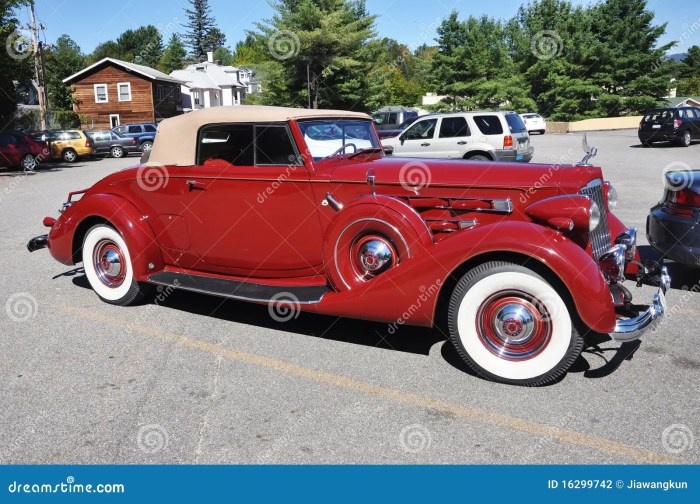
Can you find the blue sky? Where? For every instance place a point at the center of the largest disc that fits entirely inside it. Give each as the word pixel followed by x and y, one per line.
pixel 409 21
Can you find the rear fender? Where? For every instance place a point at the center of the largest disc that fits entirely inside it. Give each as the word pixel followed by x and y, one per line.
pixel 409 292
pixel 65 237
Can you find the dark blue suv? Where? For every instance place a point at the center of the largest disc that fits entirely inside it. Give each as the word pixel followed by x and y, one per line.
pixel 144 133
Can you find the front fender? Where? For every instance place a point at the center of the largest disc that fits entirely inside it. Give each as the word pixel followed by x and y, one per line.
pixel 120 213
pixel 408 293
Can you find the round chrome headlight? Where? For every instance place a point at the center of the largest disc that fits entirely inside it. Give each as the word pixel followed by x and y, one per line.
pixel 594 216
pixel 612 197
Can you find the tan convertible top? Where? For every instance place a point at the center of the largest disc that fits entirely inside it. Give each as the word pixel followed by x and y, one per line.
pixel 176 141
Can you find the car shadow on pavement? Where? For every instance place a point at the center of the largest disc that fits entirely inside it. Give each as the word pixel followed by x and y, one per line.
pixel 683 277
pixel 418 340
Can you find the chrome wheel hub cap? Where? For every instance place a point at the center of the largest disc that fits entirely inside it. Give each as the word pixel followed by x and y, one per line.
pixel 375 256
pixel 514 323
pixel 109 263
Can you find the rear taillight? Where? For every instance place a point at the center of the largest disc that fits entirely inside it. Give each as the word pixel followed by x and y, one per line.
pixel 88 142
pixel 677 123
pixel 507 142
pixel 684 197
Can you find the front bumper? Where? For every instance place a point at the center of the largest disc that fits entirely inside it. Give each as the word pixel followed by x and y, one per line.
pixel 630 329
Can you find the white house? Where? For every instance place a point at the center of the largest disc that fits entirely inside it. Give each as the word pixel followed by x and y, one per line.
pixel 209 84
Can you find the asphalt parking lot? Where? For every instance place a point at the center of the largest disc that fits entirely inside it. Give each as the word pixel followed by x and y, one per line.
pixel 194 379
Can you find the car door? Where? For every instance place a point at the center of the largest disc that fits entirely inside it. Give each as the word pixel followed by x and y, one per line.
pixel 246 208
pixel 694 114
pixel 101 141
pixel 453 138
pixel 417 140
pixel 8 151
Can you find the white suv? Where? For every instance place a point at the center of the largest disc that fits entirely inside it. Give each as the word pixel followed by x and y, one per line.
pixel 496 136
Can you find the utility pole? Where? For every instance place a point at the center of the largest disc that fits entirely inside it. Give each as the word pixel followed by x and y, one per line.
pixel 38 66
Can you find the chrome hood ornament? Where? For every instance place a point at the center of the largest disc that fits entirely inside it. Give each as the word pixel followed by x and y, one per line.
pixel 591 152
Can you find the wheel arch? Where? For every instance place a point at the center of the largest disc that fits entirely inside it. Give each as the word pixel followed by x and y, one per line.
pixel 478 152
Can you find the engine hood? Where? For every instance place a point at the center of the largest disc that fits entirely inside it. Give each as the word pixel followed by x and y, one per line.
pixel 460 173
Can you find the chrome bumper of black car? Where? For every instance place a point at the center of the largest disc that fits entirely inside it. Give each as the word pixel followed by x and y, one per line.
pixel 38 243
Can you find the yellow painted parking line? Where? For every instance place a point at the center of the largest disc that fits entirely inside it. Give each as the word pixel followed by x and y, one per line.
pixel 488 417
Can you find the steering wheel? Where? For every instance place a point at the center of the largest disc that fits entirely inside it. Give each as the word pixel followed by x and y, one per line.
pixel 342 149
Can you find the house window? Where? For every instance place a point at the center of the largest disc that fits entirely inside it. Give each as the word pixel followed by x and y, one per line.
pixel 195 97
pixel 114 121
pixel 101 93
pixel 159 92
pixel 124 91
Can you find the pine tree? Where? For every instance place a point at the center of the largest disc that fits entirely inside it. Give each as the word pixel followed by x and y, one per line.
pixel 174 55
pixel 62 60
pixel 200 23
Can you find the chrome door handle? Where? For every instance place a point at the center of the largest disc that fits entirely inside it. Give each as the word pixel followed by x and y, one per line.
pixel 194 184
pixel 424 144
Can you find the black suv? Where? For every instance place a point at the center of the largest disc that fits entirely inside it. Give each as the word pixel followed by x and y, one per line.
pixel 674 124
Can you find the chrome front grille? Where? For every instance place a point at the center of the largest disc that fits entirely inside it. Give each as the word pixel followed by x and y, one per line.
pixel 600 236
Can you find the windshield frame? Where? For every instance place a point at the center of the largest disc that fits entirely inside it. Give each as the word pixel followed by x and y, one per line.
pixel 316 156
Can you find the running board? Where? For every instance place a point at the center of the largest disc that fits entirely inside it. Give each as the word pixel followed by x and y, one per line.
pixel 236 289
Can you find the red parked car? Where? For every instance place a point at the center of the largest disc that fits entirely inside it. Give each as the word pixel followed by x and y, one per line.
pixel 302 208
pixel 18 150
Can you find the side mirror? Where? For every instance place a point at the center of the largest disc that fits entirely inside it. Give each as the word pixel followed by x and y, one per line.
pixel 388 150
pixel 402 138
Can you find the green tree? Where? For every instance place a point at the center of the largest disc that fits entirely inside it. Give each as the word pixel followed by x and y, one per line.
pixel 223 55
pixel 325 36
pixel 692 62
pixel 689 87
pixel 200 23
pixel 174 55
pixel 214 39
pixel 16 64
pixel 108 49
pixel 62 60
pixel 143 46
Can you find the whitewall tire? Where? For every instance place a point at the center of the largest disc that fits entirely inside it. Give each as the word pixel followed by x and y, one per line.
pixel 510 325
pixel 107 264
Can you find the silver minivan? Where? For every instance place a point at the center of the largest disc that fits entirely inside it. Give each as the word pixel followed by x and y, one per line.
pixel 495 136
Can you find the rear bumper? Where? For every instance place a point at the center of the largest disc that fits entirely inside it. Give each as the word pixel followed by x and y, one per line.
pixel 512 155
pixel 38 243
pixel 675 237
pixel 659 136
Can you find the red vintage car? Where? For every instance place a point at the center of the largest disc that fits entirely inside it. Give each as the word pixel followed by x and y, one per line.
pixel 303 209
